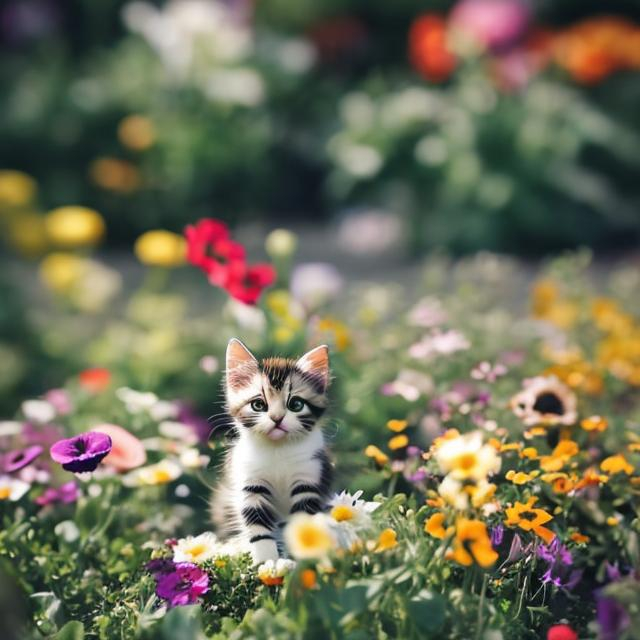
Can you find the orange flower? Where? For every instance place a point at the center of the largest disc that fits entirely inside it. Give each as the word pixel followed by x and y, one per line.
pixel 525 516
pixel 373 452
pixel 564 451
pixel 472 544
pixel 520 477
pixel 398 442
pixel 428 49
pixel 616 464
pixel 387 539
pixel 95 380
pixel 591 478
pixel 594 423
pixel 397 425
pixel 434 526
pixel 308 578
pixel 579 538
pixel 127 452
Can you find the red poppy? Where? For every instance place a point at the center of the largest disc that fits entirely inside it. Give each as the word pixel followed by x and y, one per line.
pixel 95 379
pixel 210 248
pixel 561 632
pixel 246 282
pixel 428 48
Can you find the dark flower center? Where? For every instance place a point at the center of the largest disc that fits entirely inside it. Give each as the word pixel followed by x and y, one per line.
pixel 549 403
pixel 80 446
pixel 530 516
pixel 19 456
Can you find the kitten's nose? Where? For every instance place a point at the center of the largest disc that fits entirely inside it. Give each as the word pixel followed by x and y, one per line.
pixel 277 419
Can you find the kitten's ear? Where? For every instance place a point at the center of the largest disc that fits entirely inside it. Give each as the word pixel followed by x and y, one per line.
pixel 316 364
pixel 240 364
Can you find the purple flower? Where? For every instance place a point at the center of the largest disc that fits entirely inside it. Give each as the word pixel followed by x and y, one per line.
pixel 83 452
pixel 16 460
pixel 66 494
pixel 612 618
pixel 497 535
pixel 160 566
pixel 559 560
pixel 182 585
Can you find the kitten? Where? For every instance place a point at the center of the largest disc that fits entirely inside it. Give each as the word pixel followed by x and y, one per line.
pixel 279 463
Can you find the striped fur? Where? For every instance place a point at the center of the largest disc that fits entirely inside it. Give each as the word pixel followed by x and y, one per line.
pixel 278 465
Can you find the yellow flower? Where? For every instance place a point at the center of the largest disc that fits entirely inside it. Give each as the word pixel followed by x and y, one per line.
pixel 61 271
pixel 281 243
pixel 520 477
pixel 373 452
pixel 590 478
pixel 398 442
pixel 161 248
pixel 544 293
pixel 594 423
pixel 481 492
pixel 467 458
pixel 531 453
pixel 613 521
pixel 472 544
pixel 434 526
pixel 397 425
pixel 387 539
pixel 616 464
pixel 74 226
pixel 563 452
pixel 340 332
pixel 309 537
pixel 136 132
pixel 525 516
pixel 17 189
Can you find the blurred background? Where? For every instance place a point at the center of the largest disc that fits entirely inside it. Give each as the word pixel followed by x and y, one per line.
pixel 380 131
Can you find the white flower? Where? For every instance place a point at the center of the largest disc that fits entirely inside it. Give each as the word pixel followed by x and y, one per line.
pixel 467 458
pixel 309 537
pixel 163 409
pixel 315 283
pixel 197 549
pixel 247 316
pixel 136 401
pixel 410 384
pixel 346 507
pixel 209 364
pixel 12 489
pixel 191 459
pixel 271 572
pixel 428 312
pixel 452 492
pixel 38 411
pixel 161 473
pixel 439 343
pixel 178 431
pixel 10 428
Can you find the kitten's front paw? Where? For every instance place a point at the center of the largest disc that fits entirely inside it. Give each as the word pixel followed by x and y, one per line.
pixel 264 550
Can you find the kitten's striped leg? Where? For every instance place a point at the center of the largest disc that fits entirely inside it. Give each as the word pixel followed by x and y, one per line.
pixel 260 521
pixel 306 498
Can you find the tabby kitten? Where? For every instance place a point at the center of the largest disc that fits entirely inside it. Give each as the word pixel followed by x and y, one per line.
pixel 278 465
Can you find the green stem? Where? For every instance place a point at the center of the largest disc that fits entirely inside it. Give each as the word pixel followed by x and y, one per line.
pixel 483 592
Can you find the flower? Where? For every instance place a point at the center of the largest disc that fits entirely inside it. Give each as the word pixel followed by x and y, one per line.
pixel 308 578
pixel 162 472
pixel 82 452
pixel 183 584
pixel 545 400
pixel 315 283
pixel 398 442
pixel 379 456
pixel 561 454
pixel 137 132
pixel 472 544
pixel 410 384
pixel 309 536
pixel 272 573
pixel 65 493
pixel 520 477
pixel 210 248
pixel 428 48
pixel 594 423
pixel 196 549
pixel 95 379
pixel 466 458
pixel 388 539
pixel 397 425
pixel 12 489
pixel 496 25
pixel 60 400
pixel 347 507
pixel 74 226
pixel 38 411
pixel 453 493
pixel 161 248
pixel 434 526
pixel 17 189
pixel 16 460
pixel 281 243
pixel 561 632
pixel 127 452
pixel 114 174
pixel 616 464
pixel 246 282
pixel 528 518
pixel 439 343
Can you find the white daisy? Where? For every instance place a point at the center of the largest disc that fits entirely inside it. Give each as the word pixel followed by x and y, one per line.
pixel 197 549
pixel 12 489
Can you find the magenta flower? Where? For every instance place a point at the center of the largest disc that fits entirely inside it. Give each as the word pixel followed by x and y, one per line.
pixel 16 460
pixel 65 494
pixel 179 583
pixel 82 452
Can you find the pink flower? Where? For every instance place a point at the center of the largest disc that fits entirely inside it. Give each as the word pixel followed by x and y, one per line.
pixel 60 400
pixel 496 25
pixel 66 494
pixel 127 452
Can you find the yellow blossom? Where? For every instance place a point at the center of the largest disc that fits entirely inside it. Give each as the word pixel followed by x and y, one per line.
pixel 520 477
pixel 616 464
pixel 61 271
pixel 136 132
pixel 531 453
pixel 613 521
pixel 562 453
pixel 398 442
pixel 397 425
pixel 114 174
pixel 373 452
pixel 161 248
pixel 342 513
pixel 387 539
pixel 528 518
pixel 594 423
pixel 434 526
pixel 472 544
pixel 309 536
pixel 17 189
pixel 74 226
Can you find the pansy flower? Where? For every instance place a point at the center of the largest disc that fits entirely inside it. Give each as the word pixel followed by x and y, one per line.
pixel 82 452
pixel 180 584
pixel 528 518
pixel 545 400
pixel 65 494
pixel 16 460
pixel 472 544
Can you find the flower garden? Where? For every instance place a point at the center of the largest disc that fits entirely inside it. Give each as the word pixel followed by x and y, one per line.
pixel 487 457
pixel 165 165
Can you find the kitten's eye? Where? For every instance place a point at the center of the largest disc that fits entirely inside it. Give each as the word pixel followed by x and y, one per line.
pixel 295 404
pixel 259 405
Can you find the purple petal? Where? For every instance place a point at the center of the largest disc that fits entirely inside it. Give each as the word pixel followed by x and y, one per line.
pixel 16 460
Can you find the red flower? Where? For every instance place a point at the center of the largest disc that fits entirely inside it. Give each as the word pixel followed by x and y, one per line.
pixel 210 247
pixel 428 48
pixel 95 380
pixel 561 632
pixel 246 282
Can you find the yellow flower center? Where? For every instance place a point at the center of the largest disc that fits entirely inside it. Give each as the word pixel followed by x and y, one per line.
pixel 197 550
pixel 466 461
pixel 312 538
pixel 342 512
pixel 5 492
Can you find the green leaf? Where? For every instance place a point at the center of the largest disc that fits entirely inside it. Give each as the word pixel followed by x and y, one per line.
pixel 183 623
pixel 73 630
pixel 427 611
